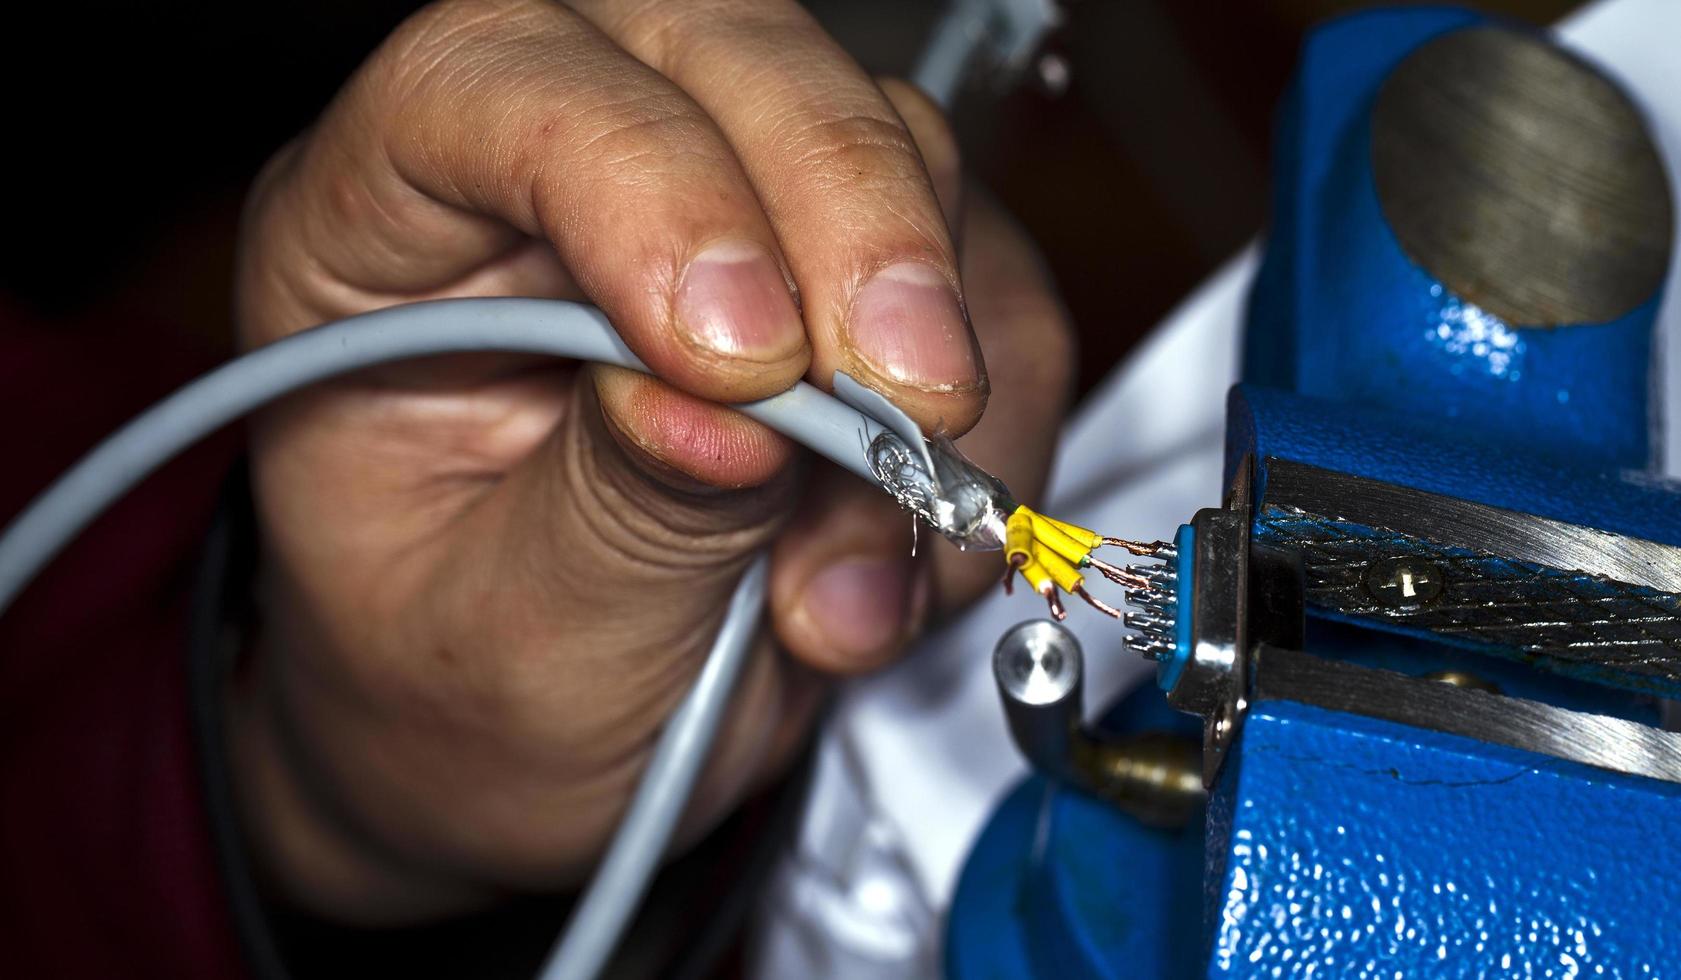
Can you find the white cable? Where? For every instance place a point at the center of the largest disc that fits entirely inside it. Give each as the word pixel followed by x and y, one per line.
pixel 442 327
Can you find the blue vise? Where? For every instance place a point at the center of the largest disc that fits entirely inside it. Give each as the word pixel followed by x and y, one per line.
pixel 1427 647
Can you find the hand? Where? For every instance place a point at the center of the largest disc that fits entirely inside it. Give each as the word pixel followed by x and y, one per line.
pixel 488 579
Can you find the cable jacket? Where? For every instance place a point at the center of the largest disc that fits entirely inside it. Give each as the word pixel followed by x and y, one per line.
pixel 640 842
pixel 451 326
pixel 570 330
pixel 949 50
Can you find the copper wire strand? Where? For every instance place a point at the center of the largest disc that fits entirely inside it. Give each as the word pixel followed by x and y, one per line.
pixel 1119 576
pixel 1098 604
pixel 1011 567
pixel 1142 548
pixel 1057 612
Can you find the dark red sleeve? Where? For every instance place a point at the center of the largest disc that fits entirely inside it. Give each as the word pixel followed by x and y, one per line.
pixel 106 862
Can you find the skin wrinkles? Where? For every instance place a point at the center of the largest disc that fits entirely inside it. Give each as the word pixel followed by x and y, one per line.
pixel 474 565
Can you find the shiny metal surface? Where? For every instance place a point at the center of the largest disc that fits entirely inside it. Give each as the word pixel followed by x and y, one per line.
pixel 1039 668
pixel 1157 600
pixel 1038 664
pixel 1154 776
pixel 1213 683
pixel 1571 598
pixel 930 478
pixel 962 502
pixel 1404 582
pixel 1595 740
pixel 1460 523
pixel 1522 178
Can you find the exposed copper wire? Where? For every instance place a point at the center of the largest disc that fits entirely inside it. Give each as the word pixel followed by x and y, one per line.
pixel 1119 576
pixel 1011 566
pixel 1098 604
pixel 1137 547
pixel 1050 554
pixel 1057 612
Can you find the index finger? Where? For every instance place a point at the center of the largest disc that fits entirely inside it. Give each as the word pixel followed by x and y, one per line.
pixel 843 184
pixel 484 125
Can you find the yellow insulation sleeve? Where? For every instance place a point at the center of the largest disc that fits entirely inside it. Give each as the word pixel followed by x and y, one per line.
pixel 1018 537
pixel 1090 539
pixel 1057 540
pixel 1037 578
pixel 1062 572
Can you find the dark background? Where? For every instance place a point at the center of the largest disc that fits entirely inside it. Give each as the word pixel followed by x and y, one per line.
pixel 135 130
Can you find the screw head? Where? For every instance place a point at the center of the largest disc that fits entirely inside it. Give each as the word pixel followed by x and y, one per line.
pixel 1404 581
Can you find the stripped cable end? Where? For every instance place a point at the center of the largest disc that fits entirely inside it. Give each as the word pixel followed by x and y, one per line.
pixel 1051 554
pixel 1144 549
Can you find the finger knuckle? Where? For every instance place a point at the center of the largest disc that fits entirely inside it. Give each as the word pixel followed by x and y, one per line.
pixel 1060 353
pixel 652 148
pixel 864 174
pixel 861 150
pixel 431 41
pixel 668 31
pixel 928 125
pixel 640 133
pixel 657 25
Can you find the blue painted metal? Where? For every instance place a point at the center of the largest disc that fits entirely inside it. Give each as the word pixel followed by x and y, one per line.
pixel 1062 885
pixel 1358 360
pixel 1465 463
pixel 1340 846
pixel 1344 846
pixel 1339 312
pixel 1348 847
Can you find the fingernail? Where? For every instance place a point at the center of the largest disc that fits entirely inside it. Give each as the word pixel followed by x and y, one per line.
pixel 860 605
pixel 906 323
pixel 734 300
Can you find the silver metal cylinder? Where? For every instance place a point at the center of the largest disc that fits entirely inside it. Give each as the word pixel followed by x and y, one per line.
pixel 1039 669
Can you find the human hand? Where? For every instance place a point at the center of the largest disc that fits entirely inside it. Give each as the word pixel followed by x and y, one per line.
pixel 487 580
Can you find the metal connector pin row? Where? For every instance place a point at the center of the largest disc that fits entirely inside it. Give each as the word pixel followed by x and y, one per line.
pixel 1147 623
pixel 1161 576
pixel 1148 647
pixel 1153 601
pixel 1155 605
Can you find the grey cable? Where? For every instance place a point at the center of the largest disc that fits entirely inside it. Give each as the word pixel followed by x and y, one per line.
pixel 949 50
pixel 803 413
pixel 568 330
pixel 640 842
